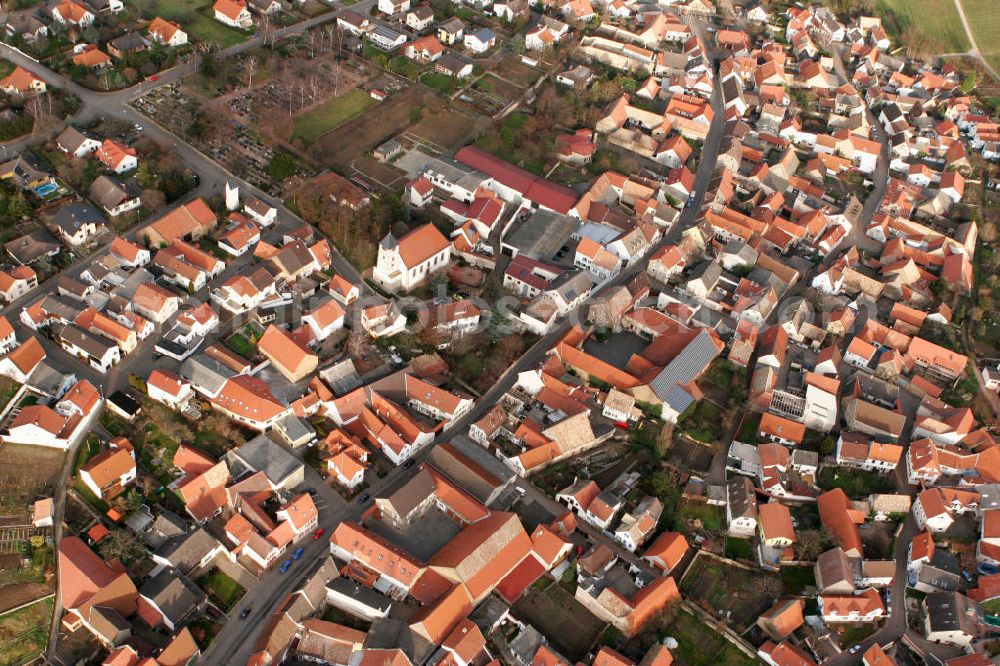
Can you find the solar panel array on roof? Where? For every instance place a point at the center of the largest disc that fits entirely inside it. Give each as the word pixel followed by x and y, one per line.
pixel 685 367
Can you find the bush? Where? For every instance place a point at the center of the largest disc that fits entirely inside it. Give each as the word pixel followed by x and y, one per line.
pixel 281 166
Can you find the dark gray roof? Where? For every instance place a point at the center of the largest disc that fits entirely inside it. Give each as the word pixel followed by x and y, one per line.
pixel 174 594
pixel 952 611
pixel 129 42
pixel 263 454
pixel 206 373
pixel 361 595
pixel 91 344
pixel 687 365
pixel 166 526
pixel 72 216
pixel 186 550
pixel 452 25
pixel 742 498
pixel 23 22
pixel 30 247
pixel 108 192
pixel 71 139
pixel 407 498
pixel 472 467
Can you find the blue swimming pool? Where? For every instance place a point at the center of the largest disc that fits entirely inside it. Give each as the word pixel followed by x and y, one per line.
pixel 47 188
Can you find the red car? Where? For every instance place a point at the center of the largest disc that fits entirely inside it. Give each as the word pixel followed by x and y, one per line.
pixel 318 533
pixel 154 77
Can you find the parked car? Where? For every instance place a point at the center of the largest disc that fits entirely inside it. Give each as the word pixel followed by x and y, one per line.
pixel 318 533
pixel 298 553
pixel 409 463
pixel 364 498
pixel 856 649
pixel 285 566
pixel 245 613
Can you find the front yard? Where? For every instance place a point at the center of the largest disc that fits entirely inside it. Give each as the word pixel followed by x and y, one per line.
pixel 221 589
pixel 197 20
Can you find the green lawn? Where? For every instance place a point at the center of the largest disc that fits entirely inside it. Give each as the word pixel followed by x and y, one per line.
pixel 6 67
pixel 984 19
pixel 796 579
pixel 739 549
pixel 197 20
pixel 711 517
pixel 443 82
pixel 8 387
pixel 698 645
pixel 88 495
pixel 853 635
pixel 315 123
pixel 937 20
pixel 749 432
pixel 206 29
pixel 856 484
pixel 703 422
pixel 241 345
pixel 24 633
pixel 88 449
pixel 991 607
pixel 224 591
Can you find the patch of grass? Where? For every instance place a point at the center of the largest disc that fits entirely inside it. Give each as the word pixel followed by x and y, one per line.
pixel 25 633
pixel 313 124
pixel 224 591
pixel 8 388
pixel 6 67
pixel 703 422
pixel 88 449
pixel 88 495
pixel 857 484
pixel 749 432
pixel 852 635
pixel 333 614
pixel 197 20
pixel 936 20
pixel 239 344
pixel 442 82
pixel 699 645
pixel 208 30
pixel 739 549
pixel 984 20
pixel 796 579
pixel 710 516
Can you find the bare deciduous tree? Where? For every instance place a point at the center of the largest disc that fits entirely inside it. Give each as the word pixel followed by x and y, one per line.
pixel 251 66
